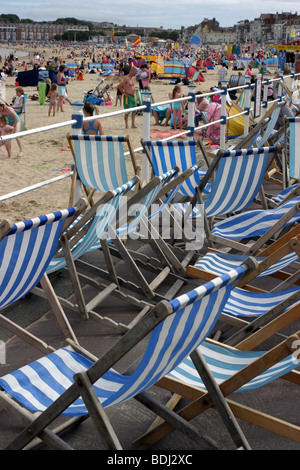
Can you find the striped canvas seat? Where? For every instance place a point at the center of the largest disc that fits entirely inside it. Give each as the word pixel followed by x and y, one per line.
pixel 219 263
pixel 254 223
pixel 106 213
pixel 145 204
pixel 263 139
pixel 167 155
pixel 191 317
pixel 101 160
pixel 224 363
pixel 26 252
pixel 238 179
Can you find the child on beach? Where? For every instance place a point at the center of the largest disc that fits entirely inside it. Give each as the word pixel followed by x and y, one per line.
pixel 6 129
pixel 53 96
pixel 177 108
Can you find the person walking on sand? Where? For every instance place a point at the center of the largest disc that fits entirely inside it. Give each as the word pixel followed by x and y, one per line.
pixel 62 82
pixel 126 86
pixel 53 96
pixel 12 120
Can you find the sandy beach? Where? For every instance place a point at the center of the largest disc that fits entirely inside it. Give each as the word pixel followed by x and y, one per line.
pixel 46 155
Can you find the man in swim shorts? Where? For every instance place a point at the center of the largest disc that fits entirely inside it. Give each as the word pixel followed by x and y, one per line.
pixel 126 87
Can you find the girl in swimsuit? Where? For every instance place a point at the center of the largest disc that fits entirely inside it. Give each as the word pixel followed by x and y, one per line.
pixel 93 127
pixel 12 120
pixel 177 108
pixel 53 96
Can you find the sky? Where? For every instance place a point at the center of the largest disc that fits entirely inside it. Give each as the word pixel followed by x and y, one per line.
pixel 169 14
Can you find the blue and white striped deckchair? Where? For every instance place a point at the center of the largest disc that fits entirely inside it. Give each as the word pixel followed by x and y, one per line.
pixel 165 155
pixel 25 254
pixel 107 209
pixel 100 161
pixel 239 177
pixel 238 180
pixel 262 140
pixel 294 155
pixel 84 237
pixel 235 370
pixel 257 223
pixel 177 327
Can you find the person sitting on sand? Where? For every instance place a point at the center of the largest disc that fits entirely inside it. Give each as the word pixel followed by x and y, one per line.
pixel 6 129
pixel 18 102
pixel 93 127
pixel 13 120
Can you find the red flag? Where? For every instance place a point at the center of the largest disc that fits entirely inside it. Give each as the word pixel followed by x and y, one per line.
pixel 137 41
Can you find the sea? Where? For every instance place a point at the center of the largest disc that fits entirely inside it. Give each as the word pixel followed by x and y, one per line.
pixel 5 52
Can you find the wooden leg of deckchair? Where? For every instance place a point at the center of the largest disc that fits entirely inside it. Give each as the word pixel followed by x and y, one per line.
pixel 25 418
pixel 132 266
pixel 25 335
pixel 219 401
pixel 57 309
pixel 96 412
pixel 74 277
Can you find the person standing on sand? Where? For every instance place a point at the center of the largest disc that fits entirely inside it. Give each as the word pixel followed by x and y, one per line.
pixel 62 82
pixel 12 120
pixel 126 86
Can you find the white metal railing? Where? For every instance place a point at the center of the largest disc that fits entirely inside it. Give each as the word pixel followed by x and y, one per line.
pixel 77 120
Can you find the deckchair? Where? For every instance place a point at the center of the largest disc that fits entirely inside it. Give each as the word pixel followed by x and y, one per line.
pixel 26 249
pixel 238 180
pixel 84 237
pixel 164 155
pixel 76 386
pixel 235 370
pixel 112 244
pixel 247 300
pixel 286 172
pixel 100 162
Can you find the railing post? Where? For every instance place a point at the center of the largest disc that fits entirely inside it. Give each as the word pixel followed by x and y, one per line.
pixel 280 87
pixel 146 131
pixel 223 114
pixel 78 116
pixel 265 96
pixel 247 104
pixel 191 111
pixel 292 81
pixel 77 129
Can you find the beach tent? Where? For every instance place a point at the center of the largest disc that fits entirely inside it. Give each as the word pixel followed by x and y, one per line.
pixel 271 62
pixel 191 72
pixel 33 77
pixel 195 40
pixel 157 68
pixel 209 65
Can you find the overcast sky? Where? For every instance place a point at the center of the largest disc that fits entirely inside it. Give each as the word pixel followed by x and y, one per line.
pixel 156 13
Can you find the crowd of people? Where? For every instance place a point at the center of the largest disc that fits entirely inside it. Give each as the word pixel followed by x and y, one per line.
pixel 134 73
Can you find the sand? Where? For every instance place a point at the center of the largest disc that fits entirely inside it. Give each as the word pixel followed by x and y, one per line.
pixel 46 154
